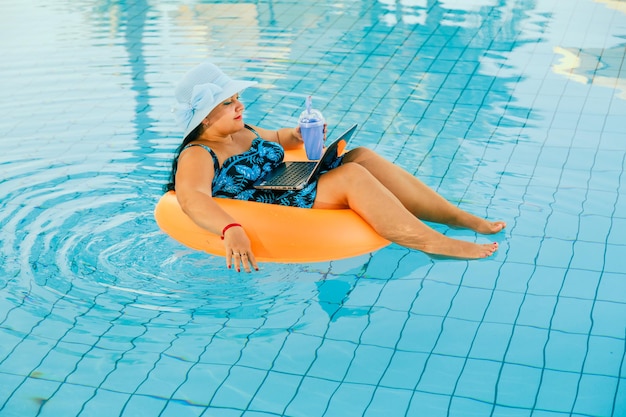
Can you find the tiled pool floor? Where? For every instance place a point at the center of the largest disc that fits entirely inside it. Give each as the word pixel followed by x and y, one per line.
pixel 513 109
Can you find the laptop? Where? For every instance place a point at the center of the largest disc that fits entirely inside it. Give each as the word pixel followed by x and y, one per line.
pixel 295 175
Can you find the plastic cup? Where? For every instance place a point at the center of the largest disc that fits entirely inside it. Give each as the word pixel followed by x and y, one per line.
pixel 313 136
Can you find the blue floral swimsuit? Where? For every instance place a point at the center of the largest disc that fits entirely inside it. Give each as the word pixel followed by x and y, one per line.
pixel 236 177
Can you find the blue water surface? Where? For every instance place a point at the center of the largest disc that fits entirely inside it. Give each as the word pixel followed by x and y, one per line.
pixel 511 109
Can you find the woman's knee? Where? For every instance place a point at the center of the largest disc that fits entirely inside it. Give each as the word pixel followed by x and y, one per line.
pixel 353 172
pixel 336 188
pixel 359 154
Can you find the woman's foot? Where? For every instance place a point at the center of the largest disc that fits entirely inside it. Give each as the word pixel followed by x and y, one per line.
pixel 461 249
pixel 483 226
pixel 489 228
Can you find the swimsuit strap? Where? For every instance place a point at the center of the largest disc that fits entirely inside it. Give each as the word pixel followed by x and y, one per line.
pixel 251 129
pixel 216 163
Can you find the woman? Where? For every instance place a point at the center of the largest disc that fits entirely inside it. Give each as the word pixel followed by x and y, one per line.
pixel 222 157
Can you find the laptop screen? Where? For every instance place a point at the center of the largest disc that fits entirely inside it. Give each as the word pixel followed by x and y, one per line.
pixel 339 145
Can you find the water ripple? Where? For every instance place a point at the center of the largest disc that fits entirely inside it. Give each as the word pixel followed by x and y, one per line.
pixel 88 239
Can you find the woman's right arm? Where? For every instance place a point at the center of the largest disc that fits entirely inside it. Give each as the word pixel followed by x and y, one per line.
pixel 194 177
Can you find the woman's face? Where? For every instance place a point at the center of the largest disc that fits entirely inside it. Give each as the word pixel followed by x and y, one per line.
pixel 227 117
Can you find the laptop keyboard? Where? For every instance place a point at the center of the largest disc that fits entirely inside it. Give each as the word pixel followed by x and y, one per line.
pixel 292 174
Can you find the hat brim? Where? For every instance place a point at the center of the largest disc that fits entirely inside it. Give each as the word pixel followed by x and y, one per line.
pixel 230 89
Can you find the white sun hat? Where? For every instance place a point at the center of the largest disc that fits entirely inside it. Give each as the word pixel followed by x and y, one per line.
pixel 200 91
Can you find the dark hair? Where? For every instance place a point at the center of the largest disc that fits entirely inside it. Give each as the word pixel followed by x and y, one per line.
pixel 193 135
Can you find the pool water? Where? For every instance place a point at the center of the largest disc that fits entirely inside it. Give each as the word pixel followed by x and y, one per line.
pixel 512 109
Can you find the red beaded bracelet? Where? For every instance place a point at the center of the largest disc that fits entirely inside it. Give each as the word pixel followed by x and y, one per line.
pixel 228 226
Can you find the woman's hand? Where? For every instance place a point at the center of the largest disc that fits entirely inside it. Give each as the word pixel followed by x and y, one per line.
pixel 238 250
pixel 287 137
pixel 297 133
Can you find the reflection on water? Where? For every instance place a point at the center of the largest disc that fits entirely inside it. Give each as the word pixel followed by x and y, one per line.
pixel 600 62
pixel 596 66
pixel 614 4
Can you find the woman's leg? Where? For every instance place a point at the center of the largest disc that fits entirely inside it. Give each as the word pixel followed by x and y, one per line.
pixel 351 185
pixel 417 197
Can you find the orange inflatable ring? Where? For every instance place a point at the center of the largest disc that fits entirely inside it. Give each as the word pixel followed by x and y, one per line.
pixel 277 233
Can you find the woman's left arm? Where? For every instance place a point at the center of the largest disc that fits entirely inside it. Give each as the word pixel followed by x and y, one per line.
pixel 287 137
